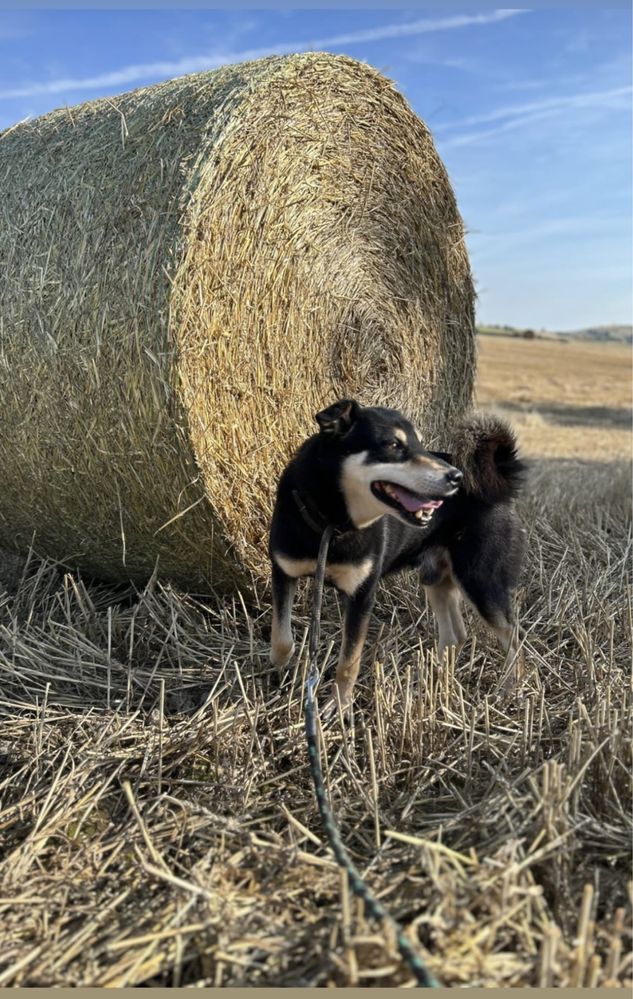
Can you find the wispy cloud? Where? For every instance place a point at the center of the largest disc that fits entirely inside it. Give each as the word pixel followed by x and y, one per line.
pixel 520 115
pixel 545 82
pixel 470 138
pixel 596 98
pixel 192 64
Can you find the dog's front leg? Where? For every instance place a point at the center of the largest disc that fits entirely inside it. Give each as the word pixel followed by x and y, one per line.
pixel 355 625
pixel 509 637
pixel 444 598
pixel 281 641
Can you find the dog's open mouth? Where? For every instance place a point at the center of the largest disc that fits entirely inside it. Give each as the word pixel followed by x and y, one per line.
pixel 417 509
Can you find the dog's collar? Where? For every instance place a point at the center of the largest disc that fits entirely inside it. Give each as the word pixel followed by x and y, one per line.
pixel 313 517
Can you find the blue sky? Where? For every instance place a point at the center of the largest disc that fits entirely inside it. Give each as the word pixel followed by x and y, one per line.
pixel 531 112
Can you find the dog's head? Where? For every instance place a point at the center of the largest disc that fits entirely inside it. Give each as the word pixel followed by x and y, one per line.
pixel 383 467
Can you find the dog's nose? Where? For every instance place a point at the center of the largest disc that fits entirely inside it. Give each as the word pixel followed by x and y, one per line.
pixel 454 477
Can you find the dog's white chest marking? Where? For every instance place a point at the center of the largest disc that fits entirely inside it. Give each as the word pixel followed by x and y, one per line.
pixel 347 576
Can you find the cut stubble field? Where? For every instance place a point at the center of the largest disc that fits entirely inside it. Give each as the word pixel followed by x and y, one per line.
pixel 566 399
pixel 157 821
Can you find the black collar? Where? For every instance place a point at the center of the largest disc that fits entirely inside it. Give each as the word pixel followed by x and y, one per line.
pixel 313 517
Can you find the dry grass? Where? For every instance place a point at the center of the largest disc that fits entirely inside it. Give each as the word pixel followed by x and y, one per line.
pixel 566 399
pixel 158 822
pixel 190 272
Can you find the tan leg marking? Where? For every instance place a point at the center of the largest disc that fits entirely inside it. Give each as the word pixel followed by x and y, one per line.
pixel 281 640
pixel 507 635
pixel 444 599
pixel 457 621
pixel 349 665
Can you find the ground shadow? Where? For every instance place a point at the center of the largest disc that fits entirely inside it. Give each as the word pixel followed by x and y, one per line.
pixel 567 415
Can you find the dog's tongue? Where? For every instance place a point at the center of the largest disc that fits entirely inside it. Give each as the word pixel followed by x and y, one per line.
pixel 414 503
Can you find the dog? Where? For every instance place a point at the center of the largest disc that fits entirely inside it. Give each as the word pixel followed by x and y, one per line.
pixel 394 505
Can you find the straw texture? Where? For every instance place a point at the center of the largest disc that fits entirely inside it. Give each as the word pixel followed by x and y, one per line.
pixel 158 824
pixel 190 271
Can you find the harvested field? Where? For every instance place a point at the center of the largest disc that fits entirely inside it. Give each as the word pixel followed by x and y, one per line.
pixel 566 399
pixel 159 827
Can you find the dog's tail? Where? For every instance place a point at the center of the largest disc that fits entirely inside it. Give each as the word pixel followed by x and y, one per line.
pixel 485 450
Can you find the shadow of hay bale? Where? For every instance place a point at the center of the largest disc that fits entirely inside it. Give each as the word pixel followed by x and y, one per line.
pixel 12 567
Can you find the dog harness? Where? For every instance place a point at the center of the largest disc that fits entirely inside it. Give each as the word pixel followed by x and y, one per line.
pixel 315 520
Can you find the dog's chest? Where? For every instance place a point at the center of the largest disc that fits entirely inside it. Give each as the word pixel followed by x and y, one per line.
pixel 346 576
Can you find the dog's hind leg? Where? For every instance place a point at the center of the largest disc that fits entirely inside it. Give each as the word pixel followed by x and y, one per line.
pixel 486 564
pixel 455 608
pixel 507 631
pixel 281 640
pixel 494 605
pixel 445 599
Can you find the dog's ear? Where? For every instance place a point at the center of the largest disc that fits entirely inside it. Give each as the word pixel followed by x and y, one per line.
pixel 338 418
pixel 443 455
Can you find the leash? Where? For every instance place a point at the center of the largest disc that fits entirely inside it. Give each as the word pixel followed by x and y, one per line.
pixel 373 907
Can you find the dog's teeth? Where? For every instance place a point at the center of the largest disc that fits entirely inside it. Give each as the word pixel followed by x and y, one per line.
pixel 423 515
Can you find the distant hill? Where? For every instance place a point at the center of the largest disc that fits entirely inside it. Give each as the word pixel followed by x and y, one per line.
pixel 605 334
pixel 619 334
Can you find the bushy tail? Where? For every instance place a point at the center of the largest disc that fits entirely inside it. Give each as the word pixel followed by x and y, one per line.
pixel 485 450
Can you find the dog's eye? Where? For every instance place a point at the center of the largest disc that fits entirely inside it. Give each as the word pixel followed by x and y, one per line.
pixel 394 446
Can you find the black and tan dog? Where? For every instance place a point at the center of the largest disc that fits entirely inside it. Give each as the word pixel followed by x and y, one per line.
pixel 394 505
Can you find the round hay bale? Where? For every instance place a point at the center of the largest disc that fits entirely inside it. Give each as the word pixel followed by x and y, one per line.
pixel 189 272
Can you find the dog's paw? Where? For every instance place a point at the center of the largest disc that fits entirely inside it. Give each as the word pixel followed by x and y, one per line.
pixel 510 694
pixel 340 700
pixel 277 677
pixel 280 656
pixel 510 687
pixel 447 654
pixel 509 699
